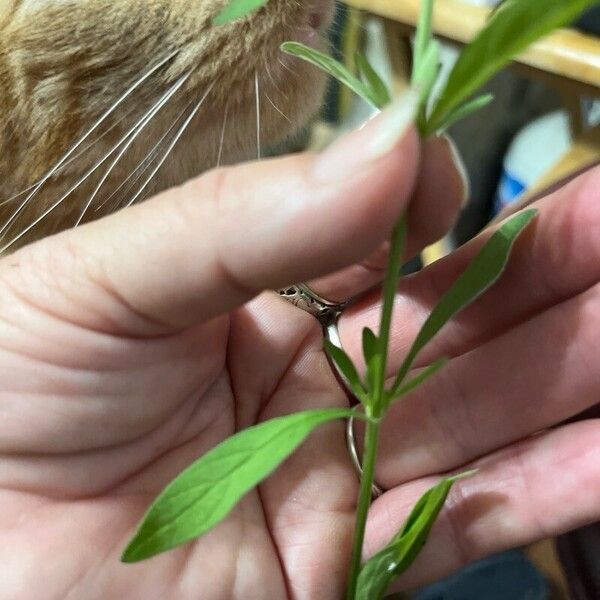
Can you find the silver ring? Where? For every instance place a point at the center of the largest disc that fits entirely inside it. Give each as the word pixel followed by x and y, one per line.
pixel 376 490
pixel 303 297
pixel 328 314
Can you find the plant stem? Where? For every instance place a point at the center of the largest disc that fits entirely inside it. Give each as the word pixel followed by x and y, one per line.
pixel 364 502
pixel 390 284
pixel 423 35
pixel 376 405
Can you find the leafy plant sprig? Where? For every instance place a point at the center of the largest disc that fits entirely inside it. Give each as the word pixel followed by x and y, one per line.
pixel 204 493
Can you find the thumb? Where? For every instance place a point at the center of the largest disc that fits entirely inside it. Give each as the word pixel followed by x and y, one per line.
pixel 202 249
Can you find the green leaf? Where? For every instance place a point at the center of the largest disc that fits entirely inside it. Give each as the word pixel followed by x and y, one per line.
pixel 512 28
pixel 373 359
pixel 377 574
pixel 424 80
pixel 425 75
pixel 378 89
pixel 236 9
pixel 462 112
pixel 204 493
pixel 482 272
pixel 418 380
pixel 426 62
pixel 423 33
pixel 347 369
pixel 369 344
pixel 331 66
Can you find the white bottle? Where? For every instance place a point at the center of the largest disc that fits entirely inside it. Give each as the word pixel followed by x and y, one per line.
pixel 532 153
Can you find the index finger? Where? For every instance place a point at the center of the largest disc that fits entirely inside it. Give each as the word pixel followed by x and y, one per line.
pixel 555 260
pixel 200 250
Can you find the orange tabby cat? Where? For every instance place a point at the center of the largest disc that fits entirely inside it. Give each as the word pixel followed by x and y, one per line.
pixel 103 102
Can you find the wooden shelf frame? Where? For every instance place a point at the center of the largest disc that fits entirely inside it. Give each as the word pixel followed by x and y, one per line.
pixel 568 55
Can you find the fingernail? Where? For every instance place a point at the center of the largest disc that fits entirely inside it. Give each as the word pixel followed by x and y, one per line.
pixel 461 169
pixel 374 140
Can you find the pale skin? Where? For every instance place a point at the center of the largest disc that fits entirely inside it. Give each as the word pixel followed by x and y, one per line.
pixel 132 345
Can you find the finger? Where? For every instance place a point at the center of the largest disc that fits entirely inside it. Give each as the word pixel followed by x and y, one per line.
pixel 555 259
pixel 440 191
pixel 534 490
pixel 530 198
pixel 311 502
pixel 200 250
pixel 531 378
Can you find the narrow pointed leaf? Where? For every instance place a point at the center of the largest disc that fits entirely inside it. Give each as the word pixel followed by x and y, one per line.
pixel 236 9
pixel 424 80
pixel 423 33
pixel 378 89
pixel 347 369
pixel 426 74
pixel 373 358
pixel 394 559
pixel 418 380
pixel 462 112
pixel 204 493
pixel 374 368
pixel 482 272
pixel 331 66
pixel 369 344
pixel 512 28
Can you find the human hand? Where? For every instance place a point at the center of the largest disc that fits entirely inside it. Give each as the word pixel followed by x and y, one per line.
pixel 520 400
pixel 132 345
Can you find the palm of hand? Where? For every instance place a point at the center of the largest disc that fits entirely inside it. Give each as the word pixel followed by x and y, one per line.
pixel 148 408
pixel 101 408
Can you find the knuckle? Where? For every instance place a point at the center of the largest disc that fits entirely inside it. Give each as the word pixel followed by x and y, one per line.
pixel 213 189
pixel 223 203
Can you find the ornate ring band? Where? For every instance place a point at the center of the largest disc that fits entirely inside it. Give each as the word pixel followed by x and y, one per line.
pixel 328 314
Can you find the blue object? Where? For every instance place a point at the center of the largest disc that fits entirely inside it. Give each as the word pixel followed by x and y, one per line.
pixel 509 190
pixel 506 576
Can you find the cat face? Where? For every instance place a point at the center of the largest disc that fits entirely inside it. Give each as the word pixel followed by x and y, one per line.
pixel 152 75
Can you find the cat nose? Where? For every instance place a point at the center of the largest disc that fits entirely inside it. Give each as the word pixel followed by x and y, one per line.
pixel 315 20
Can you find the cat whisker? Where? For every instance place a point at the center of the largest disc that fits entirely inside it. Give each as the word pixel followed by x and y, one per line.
pixel 72 159
pixel 140 126
pixel 274 82
pixel 81 140
pixel 17 196
pixel 277 108
pixel 59 201
pixel 143 166
pixel 287 68
pixel 74 187
pixel 257 95
pixel 222 140
pixel 172 145
pixel 89 146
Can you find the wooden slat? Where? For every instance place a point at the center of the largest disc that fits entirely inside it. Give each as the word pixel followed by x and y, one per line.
pixel 565 53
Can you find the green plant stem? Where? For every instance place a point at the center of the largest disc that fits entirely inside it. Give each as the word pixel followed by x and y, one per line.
pixel 397 249
pixel 376 405
pixel 423 35
pixel 364 502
